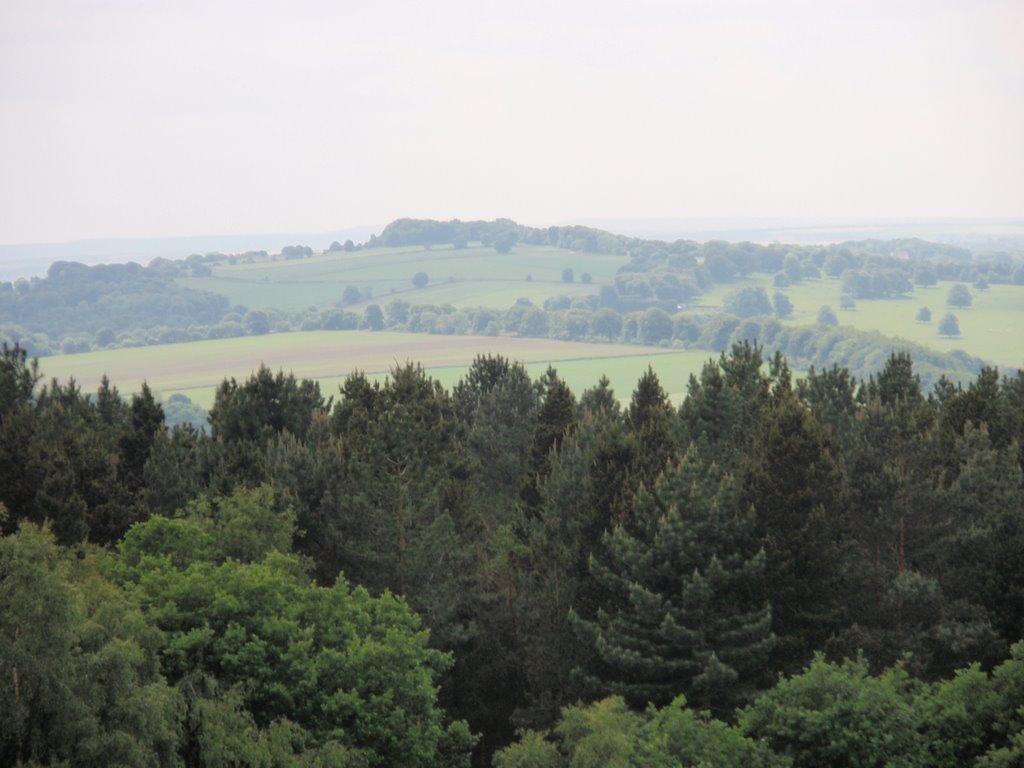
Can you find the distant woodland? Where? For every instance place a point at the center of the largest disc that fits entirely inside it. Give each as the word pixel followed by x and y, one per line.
pixel 780 571
pixel 76 308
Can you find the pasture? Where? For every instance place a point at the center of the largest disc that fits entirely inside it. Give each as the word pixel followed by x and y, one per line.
pixel 196 368
pixel 467 277
pixel 989 329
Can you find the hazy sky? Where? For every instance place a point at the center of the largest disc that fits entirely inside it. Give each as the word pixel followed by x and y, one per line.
pixel 136 118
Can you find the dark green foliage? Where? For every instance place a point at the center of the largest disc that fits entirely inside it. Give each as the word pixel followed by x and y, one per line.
pixel 499 405
pixel 114 297
pixel 655 326
pixel 350 295
pixel 374 317
pixel 792 485
pixel 723 406
pixel 959 296
pixel 949 325
pixel 749 302
pixel 265 404
pixel 556 415
pixel 18 377
pixel 783 306
pixel 686 608
pixel 589 486
pixel 702 551
pixel 649 419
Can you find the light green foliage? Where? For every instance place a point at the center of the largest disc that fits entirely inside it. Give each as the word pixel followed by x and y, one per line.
pixel 998 308
pixel 602 735
pixel 607 733
pixel 340 665
pixel 81 681
pixel 678 736
pixel 481 275
pixel 246 524
pixel 839 715
pixel 531 751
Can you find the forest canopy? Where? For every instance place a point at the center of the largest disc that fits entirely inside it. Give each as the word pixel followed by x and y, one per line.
pixel 400 572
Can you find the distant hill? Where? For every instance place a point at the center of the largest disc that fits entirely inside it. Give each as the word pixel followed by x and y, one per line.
pixel 34 259
pixel 502 278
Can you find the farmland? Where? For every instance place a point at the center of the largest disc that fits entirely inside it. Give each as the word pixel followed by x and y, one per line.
pixel 481 277
pixel 194 369
pixel 463 277
pixel 987 328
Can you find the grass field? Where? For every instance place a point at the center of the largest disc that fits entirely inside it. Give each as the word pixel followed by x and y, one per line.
pixel 195 369
pixel 479 276
pixel 462 277
pixel 990 329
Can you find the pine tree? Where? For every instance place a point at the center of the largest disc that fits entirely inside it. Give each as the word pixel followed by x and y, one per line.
pixel 649 419
pixel 793 485
pixel 580 500
pixel 498 405
pixel 722 408
pixel 687 611
pixel 556 416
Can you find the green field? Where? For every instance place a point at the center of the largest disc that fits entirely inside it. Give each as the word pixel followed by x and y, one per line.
pixel 479 276
pixel 467 277
pixel 989 329
pixel 195 369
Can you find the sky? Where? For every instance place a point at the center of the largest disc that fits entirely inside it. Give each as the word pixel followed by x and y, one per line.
pixel 144 118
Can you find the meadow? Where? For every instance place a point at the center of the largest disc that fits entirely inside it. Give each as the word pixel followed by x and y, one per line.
pixel 466 277
pixel 480 277
pixel 196 368
pixel 989 329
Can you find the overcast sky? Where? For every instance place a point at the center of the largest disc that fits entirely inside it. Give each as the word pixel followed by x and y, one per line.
pixel 145 118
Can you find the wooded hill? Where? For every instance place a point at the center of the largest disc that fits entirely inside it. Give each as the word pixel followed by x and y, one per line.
pixel 589 573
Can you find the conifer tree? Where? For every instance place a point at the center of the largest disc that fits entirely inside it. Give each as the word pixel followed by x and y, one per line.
pixel 649 419
pixel 556 416
pixel 793 486
pixel 687 611
pixel 722 408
